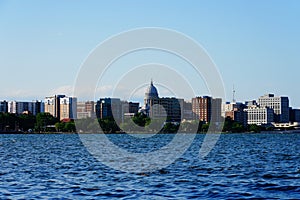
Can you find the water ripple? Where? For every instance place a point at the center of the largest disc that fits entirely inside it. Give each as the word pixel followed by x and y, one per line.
pixel 241 166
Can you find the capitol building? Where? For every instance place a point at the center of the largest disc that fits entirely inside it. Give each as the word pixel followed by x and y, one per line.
pixel 167 108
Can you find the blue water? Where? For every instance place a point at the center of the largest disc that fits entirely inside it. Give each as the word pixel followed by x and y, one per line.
pixel 243 166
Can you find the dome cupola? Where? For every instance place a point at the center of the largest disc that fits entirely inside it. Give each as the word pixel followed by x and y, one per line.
pixel 151 92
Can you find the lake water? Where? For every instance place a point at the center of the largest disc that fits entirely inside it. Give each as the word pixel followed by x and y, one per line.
pixel 240 166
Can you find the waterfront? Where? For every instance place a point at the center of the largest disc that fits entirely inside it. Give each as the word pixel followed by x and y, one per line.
pixel 240 166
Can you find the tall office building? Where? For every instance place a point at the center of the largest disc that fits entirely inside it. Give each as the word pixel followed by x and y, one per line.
pixel 280 105
pixel 109 107
pixel 207 109
pixel 68 108
pixel 169 108
pixel 4 106
pixel 37 107
pixel 52 105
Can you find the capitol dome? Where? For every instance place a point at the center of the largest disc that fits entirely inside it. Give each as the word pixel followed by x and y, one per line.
pixel 151 92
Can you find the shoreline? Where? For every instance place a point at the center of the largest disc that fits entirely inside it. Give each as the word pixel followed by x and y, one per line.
pixel 41 133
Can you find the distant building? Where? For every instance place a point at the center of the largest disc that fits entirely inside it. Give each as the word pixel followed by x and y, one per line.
pixel 251 103
pixel 68 108
pixel 259 115
pixel 38 107
pixel 280 105
pixel 159 108
pixel 85 110
pixel 207 109
pixel 216 110
pixel 19 107
pixel 133 107
pixel 235 111
pixel 4 106
pixel 201 107
pixel 52 105
pixel 129 109
pixel 169 108
pixel 294 115
pixel 109 107
pixel 188 111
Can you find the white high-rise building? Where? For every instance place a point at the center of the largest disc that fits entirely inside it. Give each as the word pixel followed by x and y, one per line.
pixel 259 115
pixel 19 107
pixel 280 105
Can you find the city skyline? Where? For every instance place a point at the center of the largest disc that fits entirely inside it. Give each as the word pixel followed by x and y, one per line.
pixel 268 110
pixel 156 99
pixel 254 44
pixel 141 99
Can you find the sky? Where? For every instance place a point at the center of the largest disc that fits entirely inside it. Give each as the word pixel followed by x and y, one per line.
pixel 254 44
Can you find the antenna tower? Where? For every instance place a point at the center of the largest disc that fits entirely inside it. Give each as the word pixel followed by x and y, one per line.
pixel 233 94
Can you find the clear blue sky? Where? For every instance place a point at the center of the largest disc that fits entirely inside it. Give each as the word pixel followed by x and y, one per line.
pixel 255 44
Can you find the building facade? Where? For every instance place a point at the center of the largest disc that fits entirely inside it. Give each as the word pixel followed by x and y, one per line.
pixel 170 109
pixel 294 115
pixel 259 115
pixel 19 107
pixel 68 108
pixel 109 107
pixel 280 105
pixel 207 109
pixel 52 105
pixel 235 111
pixel 38 107
pixel 188 111
pixel 4 106
pixel 129 109
pixel 86 110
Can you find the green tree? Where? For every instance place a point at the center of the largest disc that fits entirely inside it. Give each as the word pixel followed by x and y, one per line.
pixel 43 120
pixel 26 121
pixel 237 127
pixel 69 127
pixel 8 121
pixel 204 127
pixel 109 125
pixel 170 127
pixel 228 123
pixel 254 128
pixel 60 127
pixel 141 119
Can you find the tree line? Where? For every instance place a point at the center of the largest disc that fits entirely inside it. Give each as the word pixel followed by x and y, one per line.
pixel 42 122
pixel 45 122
